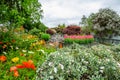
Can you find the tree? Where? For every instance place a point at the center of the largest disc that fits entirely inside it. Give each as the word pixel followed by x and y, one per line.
pixel 83 21
pixel 106 23
pixel 15 13
pixel 87 24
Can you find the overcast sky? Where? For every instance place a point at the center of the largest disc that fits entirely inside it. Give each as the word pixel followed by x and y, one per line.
pixel 70 11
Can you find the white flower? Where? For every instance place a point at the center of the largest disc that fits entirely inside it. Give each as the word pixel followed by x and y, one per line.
pixel 31 52
pixel 82 59
pixel 86 62
pixel 42 51
pixel 4 53
pixel 107 60
pixel 50 63
pixel 55 69
pixel 62 67
pixel 118 64
pixel 17 48
pixel 11 47
pixel 102 67
pixel 101 71
pixel 51 77
pixel 24 50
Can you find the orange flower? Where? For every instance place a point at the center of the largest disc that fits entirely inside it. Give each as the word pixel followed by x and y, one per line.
pixel 30 61
pixel 16 74
pixel 13 68
pixel 3 58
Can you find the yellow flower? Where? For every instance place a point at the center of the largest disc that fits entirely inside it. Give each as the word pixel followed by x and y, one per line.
pixel 15 59
pixel 42 42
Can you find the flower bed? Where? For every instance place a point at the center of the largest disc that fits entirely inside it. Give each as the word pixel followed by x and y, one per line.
pixel 19 54
pixel 78 39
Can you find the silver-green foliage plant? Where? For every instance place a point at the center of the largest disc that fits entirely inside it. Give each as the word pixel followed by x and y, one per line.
pixel 106 23
pixel 77 62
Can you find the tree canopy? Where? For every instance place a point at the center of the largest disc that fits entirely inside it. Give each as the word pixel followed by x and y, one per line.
pixel 20 12
pixel 105 23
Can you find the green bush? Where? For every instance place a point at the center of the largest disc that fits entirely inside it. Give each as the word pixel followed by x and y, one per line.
pixel 77 62
pixel 35 31
pixel 45 36
pixel 80 41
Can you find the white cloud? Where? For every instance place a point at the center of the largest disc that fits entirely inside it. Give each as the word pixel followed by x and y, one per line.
pixel 70 11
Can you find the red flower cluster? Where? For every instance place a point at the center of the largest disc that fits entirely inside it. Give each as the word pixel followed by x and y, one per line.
pixel 29 64
pixel 79 36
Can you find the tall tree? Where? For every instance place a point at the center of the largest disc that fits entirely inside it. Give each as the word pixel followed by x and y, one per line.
pixel 20 12
pixel 106 23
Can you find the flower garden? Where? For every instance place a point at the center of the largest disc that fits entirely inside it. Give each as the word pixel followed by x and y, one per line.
pixel 42 58
pixel 31 51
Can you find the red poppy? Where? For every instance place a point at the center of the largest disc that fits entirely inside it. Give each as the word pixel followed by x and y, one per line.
pixel 20 66
pixel 3 58
pixel 29 65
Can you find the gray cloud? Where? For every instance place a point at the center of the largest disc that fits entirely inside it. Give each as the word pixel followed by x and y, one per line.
pixel 70 11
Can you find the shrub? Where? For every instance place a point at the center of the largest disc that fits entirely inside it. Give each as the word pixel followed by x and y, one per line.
pixel 72 30
pixel 80 63
pixel 7 39
pixel 35 31
pixel 45 36
pixel 50 31
pixel 59 29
